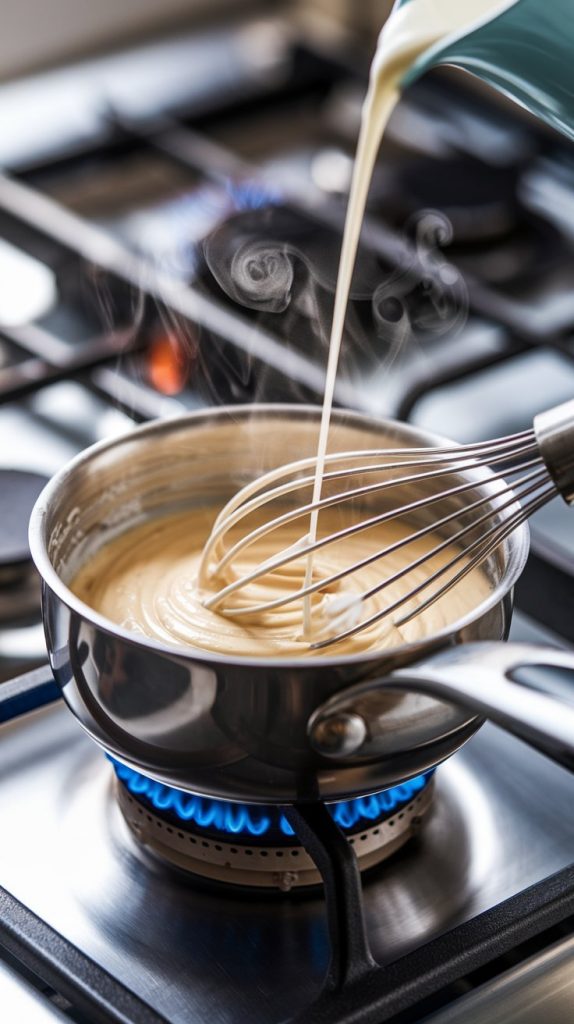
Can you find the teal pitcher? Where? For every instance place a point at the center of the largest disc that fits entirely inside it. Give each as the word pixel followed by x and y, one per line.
pixel 526 52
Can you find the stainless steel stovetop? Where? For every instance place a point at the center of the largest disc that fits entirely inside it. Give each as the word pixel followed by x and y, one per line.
pixel 500 824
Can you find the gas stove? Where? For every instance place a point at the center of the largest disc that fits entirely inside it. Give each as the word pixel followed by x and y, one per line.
pixel 485 882
pixel 170 244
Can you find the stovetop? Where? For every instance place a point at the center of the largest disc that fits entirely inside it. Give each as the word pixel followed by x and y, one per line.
pixel 130 201
pixel 499 825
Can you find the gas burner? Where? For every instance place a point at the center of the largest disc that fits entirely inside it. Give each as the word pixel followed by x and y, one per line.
pixel 479 199
pixel 493 236
pixel 255 846
pixel 277 267
pixel 19 582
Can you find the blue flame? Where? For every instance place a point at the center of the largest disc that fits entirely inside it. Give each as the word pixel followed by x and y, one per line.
pixel 196 213
pixel 243 819
pixel 173 230
pixel 250 194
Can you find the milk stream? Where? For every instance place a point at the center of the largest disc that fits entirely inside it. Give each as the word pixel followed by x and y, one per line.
pixel 412 29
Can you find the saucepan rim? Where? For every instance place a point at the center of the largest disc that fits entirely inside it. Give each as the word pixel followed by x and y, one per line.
pixel 518 542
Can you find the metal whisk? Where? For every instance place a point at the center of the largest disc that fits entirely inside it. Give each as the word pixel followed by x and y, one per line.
pixel 530 467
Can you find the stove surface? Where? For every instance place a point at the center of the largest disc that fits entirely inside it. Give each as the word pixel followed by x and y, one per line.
pixel 500 823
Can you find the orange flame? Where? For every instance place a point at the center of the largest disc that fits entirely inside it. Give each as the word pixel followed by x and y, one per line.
pixel 168 362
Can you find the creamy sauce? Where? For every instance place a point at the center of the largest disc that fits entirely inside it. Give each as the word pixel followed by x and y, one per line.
pixel 146 581
pixel 409 32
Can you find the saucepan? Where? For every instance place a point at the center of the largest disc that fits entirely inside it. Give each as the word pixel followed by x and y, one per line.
pixel 272 730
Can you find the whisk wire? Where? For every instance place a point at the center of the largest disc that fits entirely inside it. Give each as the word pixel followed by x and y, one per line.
pixel 495 537
pixel 484 546
pixel 248 499
pixel 511 477
pixel 453 466
pixel 271 565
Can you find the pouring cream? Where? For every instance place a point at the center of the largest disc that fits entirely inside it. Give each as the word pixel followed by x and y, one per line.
pixel 146 579
pixel 410 30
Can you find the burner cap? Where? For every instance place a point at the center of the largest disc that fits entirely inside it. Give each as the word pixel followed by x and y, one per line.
pixel 19 586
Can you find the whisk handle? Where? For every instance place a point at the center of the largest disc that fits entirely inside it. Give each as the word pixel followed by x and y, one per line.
pixel 554 431
pixel 481 677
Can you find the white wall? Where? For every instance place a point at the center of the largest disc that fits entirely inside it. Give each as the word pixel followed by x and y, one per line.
pixel 365 15
pixel 34 33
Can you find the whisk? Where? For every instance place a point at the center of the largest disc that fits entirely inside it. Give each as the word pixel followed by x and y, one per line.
pixel 528 469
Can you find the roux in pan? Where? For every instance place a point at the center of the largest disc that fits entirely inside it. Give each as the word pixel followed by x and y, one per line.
pixel 146 581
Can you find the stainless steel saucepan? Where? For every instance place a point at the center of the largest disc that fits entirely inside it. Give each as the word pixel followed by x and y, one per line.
pixel 271 730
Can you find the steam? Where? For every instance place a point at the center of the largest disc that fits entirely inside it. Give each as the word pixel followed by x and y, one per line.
pixel 446 307
pixel 273 270
pixel 260 276
pixel 425 295
pixel 288 280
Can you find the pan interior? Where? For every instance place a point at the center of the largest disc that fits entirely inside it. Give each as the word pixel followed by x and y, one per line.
pixel 170 467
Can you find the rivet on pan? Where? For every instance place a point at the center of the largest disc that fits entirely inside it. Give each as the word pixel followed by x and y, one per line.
pixel 338 735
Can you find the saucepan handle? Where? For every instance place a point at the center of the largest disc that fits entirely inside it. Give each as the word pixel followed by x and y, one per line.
pixel 482 677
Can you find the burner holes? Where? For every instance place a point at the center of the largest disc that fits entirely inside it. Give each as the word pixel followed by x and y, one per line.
pixel 401 816
pixel 263 853
pixel 159 824
pixel 391 823
pixel 192 840
pixel 363 838
pixel 249 853
pixel 233 850
pixel 278 853
pixel 170 830
pixel 376 831
pixel 352 842
pixel 294 853
pixel 180 835
pixel 218 848
pixel 139 809
pixel 149 818
pixel 204 843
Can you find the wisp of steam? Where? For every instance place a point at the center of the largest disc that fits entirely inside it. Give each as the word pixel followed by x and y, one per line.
pixel 279 267
pixel 273 268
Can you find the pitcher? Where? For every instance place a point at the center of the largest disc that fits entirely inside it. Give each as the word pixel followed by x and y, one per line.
pixel 523 48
